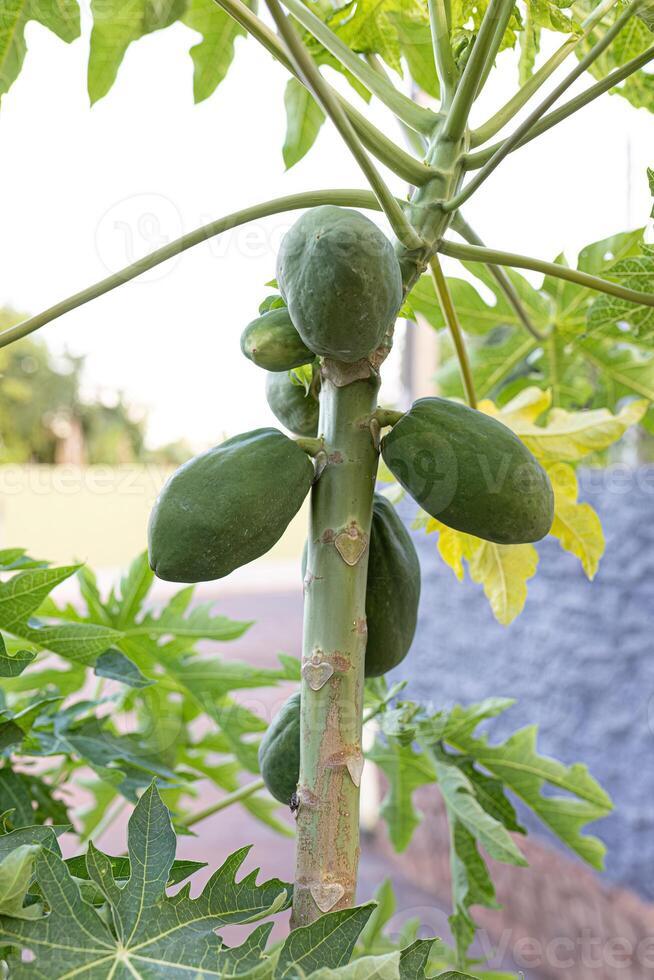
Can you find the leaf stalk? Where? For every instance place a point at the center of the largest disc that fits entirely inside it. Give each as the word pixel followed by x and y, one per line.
pixel 452 320
pixel 474 253
pixel 332 107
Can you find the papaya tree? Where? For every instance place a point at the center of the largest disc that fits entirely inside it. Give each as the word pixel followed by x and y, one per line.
pixel 477 469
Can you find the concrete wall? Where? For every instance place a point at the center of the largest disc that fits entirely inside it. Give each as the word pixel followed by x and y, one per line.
pixel 579 660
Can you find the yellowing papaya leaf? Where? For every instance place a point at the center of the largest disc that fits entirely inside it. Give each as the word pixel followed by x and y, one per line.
pixel 503 570
pixel 577 526
pixel 565 436
pixel 453 546
pixel 526 407
pixel 569 436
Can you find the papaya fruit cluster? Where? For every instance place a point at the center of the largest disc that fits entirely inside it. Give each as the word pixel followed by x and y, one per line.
pixel 341 287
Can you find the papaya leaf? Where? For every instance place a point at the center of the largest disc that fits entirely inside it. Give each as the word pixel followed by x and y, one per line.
pixel 15 877
pixel 372 940
pixel 134 587
pixel 414 959
pixel 406 770
pixel 504 570
pixel 11 665
pixel 386 967
pixel 304 119
pixel 582 367
pixel 29 799
pixel 518 765
pixel 576 525
pixel 326 943
pixel 152 933
pixel 62 18
pixel 569 436
pixel 115 665
pixel 213 55
pixel 116 24
pixel 464 809
pixel 23 593
pixel 611 312
pixel 638 89
pixel 17 559
pixel 471 885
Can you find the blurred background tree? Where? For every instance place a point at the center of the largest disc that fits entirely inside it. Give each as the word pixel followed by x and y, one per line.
pixel 45 419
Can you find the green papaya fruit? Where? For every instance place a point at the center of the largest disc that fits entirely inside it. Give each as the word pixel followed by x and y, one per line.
pixel 392 591
pixel 272 342
pixel 228 506
pixel 296 409
pixel 341 280
pixel 279 751
pixel 470 471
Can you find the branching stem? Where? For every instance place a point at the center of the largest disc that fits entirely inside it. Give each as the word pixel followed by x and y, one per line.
pixel 538 79
pixel 468 88
pixel 473 253
pixel 446 69
pixel 512 141
pixel 475 160
pixel 452 320
pixel 419 118
pixel 332 107
pixel 393 156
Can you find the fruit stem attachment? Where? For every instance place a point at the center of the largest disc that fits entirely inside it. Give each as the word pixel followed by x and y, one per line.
pixel 452 320
pixel 387 416
pixel 310 446
pixel 331 757
pixel 324 95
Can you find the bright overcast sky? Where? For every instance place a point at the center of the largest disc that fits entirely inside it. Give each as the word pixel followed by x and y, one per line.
pixel 84 192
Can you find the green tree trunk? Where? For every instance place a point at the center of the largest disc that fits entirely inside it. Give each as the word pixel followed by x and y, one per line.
pixel 333 653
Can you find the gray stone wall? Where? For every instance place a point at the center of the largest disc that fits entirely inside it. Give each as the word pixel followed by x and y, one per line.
pixel 579 660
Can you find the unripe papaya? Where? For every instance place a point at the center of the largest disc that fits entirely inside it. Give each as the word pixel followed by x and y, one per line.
pixel 296 409
pixel 392 589
pixel 279 751
pixel 470 471
pixel 272 342
pixel 228 506
pixel 341 280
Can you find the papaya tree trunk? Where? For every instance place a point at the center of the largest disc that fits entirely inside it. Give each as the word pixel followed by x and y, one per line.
pixel 334 647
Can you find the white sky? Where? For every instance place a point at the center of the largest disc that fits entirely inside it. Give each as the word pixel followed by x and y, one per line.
pixel 85 191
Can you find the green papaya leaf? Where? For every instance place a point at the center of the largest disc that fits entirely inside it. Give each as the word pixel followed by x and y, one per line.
pixel 15 877
pixel 62 18
pixel 13 665
pixel 155 934
pixel 115 665
pixel 304 119
pixel 116 24
pixel 213 55
pixel 406 770
pixel 326 943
